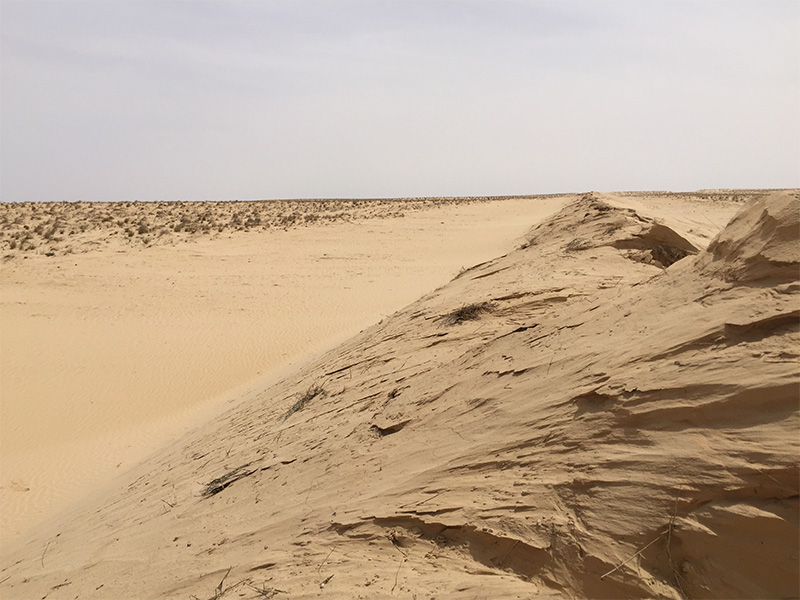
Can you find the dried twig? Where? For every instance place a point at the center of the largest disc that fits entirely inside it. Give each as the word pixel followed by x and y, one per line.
pixel 60 585
pixel 423 501
pixel 780 483
pixel 326 559
pixel 670 527
pixel 266 592
pixel 218 593
pixel 638 553
pixel 397 573
pixel 308 493
pixel 507 554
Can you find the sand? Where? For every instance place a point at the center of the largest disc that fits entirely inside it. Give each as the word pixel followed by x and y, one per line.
pixel 117 343
pixel 604 407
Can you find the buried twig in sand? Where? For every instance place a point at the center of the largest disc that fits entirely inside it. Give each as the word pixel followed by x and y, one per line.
pixel 46 546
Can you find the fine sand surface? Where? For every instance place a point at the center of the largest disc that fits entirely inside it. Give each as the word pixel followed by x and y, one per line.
pixel 118 342
pixel 606 407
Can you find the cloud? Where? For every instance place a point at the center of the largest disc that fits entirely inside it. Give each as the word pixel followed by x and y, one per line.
pixel 222 100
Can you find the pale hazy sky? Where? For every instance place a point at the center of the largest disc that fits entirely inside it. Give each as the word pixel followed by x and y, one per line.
pixel 114 100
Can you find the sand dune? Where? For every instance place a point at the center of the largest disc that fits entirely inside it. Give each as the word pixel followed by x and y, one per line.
pixel 115 343
pixel 610 409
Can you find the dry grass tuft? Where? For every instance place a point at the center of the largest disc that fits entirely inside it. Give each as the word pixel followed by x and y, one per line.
pixel 468 312
pixel 578 244
pixel 220 483
pixel 303 399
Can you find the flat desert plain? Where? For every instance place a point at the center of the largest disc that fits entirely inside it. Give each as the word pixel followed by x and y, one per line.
pixel 583 395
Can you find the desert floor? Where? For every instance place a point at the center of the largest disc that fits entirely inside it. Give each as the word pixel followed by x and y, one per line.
pixel 588 395
pixel 118 343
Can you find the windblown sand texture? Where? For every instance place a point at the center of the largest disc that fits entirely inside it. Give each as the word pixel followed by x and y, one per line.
pixel 608 410
pixel 112 345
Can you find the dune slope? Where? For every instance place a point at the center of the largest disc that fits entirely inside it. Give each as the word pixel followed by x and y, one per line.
pixel 608 411
pixel 111 351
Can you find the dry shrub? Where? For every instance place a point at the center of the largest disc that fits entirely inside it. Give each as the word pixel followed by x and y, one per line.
pixel 467 312
pixel 303 399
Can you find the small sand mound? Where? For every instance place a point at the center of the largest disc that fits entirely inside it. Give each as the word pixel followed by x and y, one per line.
pixel 760 242
pixel 590 223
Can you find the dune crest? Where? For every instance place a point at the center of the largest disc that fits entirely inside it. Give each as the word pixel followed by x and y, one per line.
pixel 761 242
pixel 594 223
pixel 596 414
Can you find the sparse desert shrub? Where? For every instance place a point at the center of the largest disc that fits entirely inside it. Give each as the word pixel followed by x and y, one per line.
pixel 468 312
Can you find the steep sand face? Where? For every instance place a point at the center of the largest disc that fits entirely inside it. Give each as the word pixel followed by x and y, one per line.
pixel 569 420
pixel 759 244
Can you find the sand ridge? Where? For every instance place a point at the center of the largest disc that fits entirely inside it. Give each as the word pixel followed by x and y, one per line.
pixel 573 419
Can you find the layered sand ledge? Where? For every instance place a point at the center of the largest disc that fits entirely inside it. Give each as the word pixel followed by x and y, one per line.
pixel 608 410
